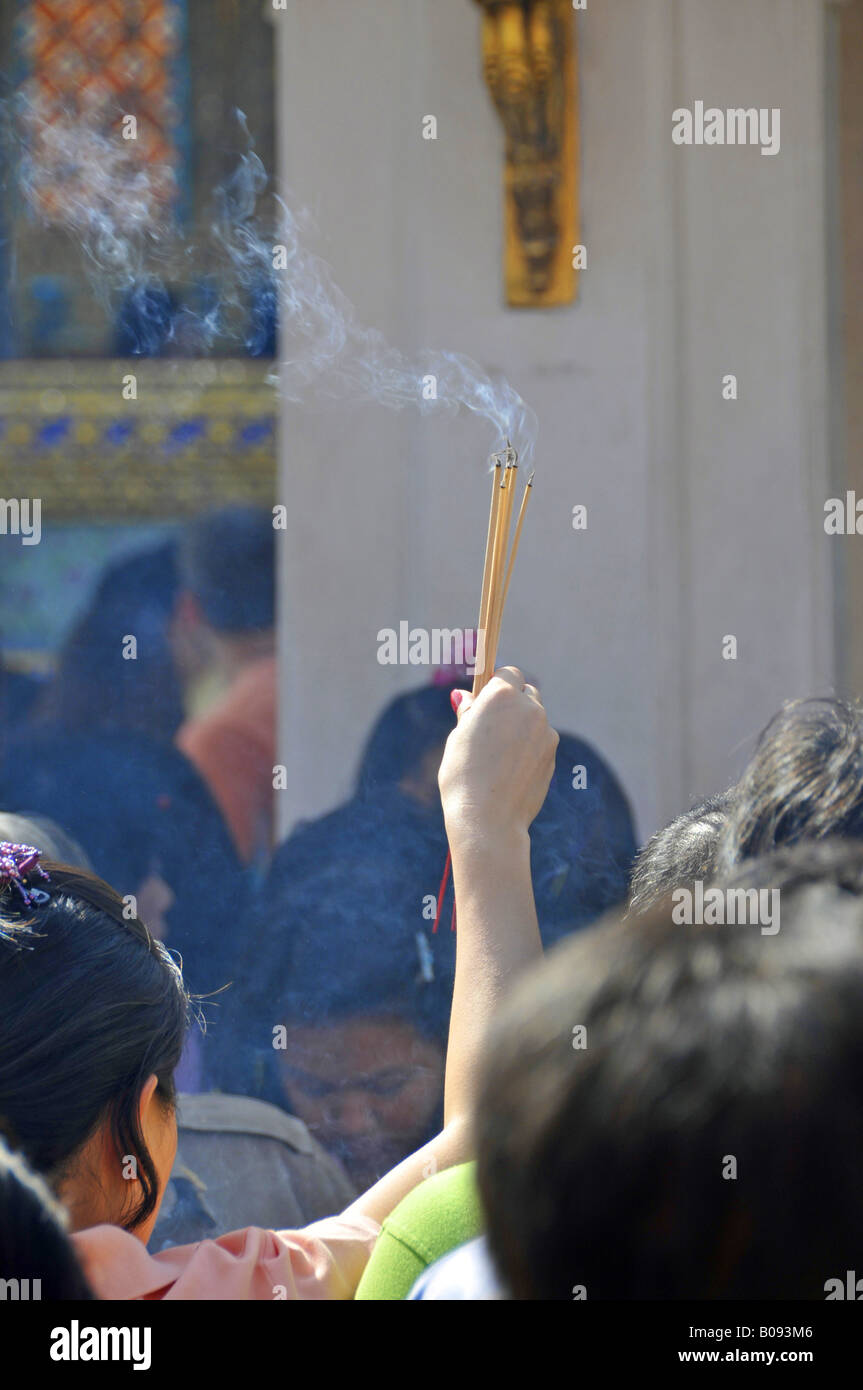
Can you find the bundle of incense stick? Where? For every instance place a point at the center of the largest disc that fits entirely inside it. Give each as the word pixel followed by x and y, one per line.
pixel 496 575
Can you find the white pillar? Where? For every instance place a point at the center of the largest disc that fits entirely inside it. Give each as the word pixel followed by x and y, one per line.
pixel 705 516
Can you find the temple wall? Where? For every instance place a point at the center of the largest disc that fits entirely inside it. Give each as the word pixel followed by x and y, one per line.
pixel 705 516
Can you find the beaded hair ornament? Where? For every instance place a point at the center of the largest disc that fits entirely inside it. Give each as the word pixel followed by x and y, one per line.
pixel 18 863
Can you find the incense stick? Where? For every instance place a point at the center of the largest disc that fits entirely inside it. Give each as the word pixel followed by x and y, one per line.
pixel 496 576
pixel 528 487
pixel 485 598
pixel 498 571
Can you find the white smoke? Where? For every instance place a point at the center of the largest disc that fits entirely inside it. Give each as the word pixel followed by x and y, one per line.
pixel 119 212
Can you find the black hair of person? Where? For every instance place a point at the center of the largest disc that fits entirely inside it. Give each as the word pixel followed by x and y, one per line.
pixel 94 686
pixel 582 841
pixel 606 1165
pixel 342 930
pixel 583 838
pixel 803 782
pixel 682 852
pixel 34 1244
pixel 228 562
pixel 92 1005
pixel 411 726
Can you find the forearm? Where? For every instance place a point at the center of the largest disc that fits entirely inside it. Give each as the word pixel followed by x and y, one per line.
pixel 497 938
pixel 494 775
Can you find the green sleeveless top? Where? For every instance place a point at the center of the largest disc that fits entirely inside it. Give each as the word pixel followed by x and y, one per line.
pixel 441 1213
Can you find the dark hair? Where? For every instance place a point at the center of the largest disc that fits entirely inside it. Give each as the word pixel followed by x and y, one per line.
pixel 582 842
pixel 354 947
pixel 682 852
pixel 411 726
pixel 94 686
pixel 804 782
pixel 607 1165
pixel 228 561
pixel 91 1006
pixel 835 861
pixel 343 930
pixel 34 1246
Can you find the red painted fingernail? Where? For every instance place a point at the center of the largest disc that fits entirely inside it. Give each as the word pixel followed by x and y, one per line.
pixel 455 699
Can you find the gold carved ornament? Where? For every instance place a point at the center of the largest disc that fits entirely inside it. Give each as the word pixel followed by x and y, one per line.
pixel 529 63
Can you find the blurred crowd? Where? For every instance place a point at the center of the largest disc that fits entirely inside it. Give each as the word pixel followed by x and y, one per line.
pixel 321 991
pixel 249 1069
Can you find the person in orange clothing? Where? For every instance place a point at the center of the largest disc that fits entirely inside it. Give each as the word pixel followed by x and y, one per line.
pixel 233 747
pixel 224 642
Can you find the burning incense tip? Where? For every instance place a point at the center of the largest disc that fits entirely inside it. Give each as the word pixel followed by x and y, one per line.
pixel 508 457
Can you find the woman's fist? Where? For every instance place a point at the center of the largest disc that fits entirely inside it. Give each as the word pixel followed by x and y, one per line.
pixel 498 761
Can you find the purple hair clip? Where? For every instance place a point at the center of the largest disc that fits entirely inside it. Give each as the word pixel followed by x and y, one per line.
pixel 17 863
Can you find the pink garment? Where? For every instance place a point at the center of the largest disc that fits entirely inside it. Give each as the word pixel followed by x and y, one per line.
pixel 323 1261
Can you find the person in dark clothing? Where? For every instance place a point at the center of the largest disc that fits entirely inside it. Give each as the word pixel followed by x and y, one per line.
pixel 144 818
pixel 95 685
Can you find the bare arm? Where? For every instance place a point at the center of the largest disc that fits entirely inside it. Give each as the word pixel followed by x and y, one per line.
pixel 493 779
